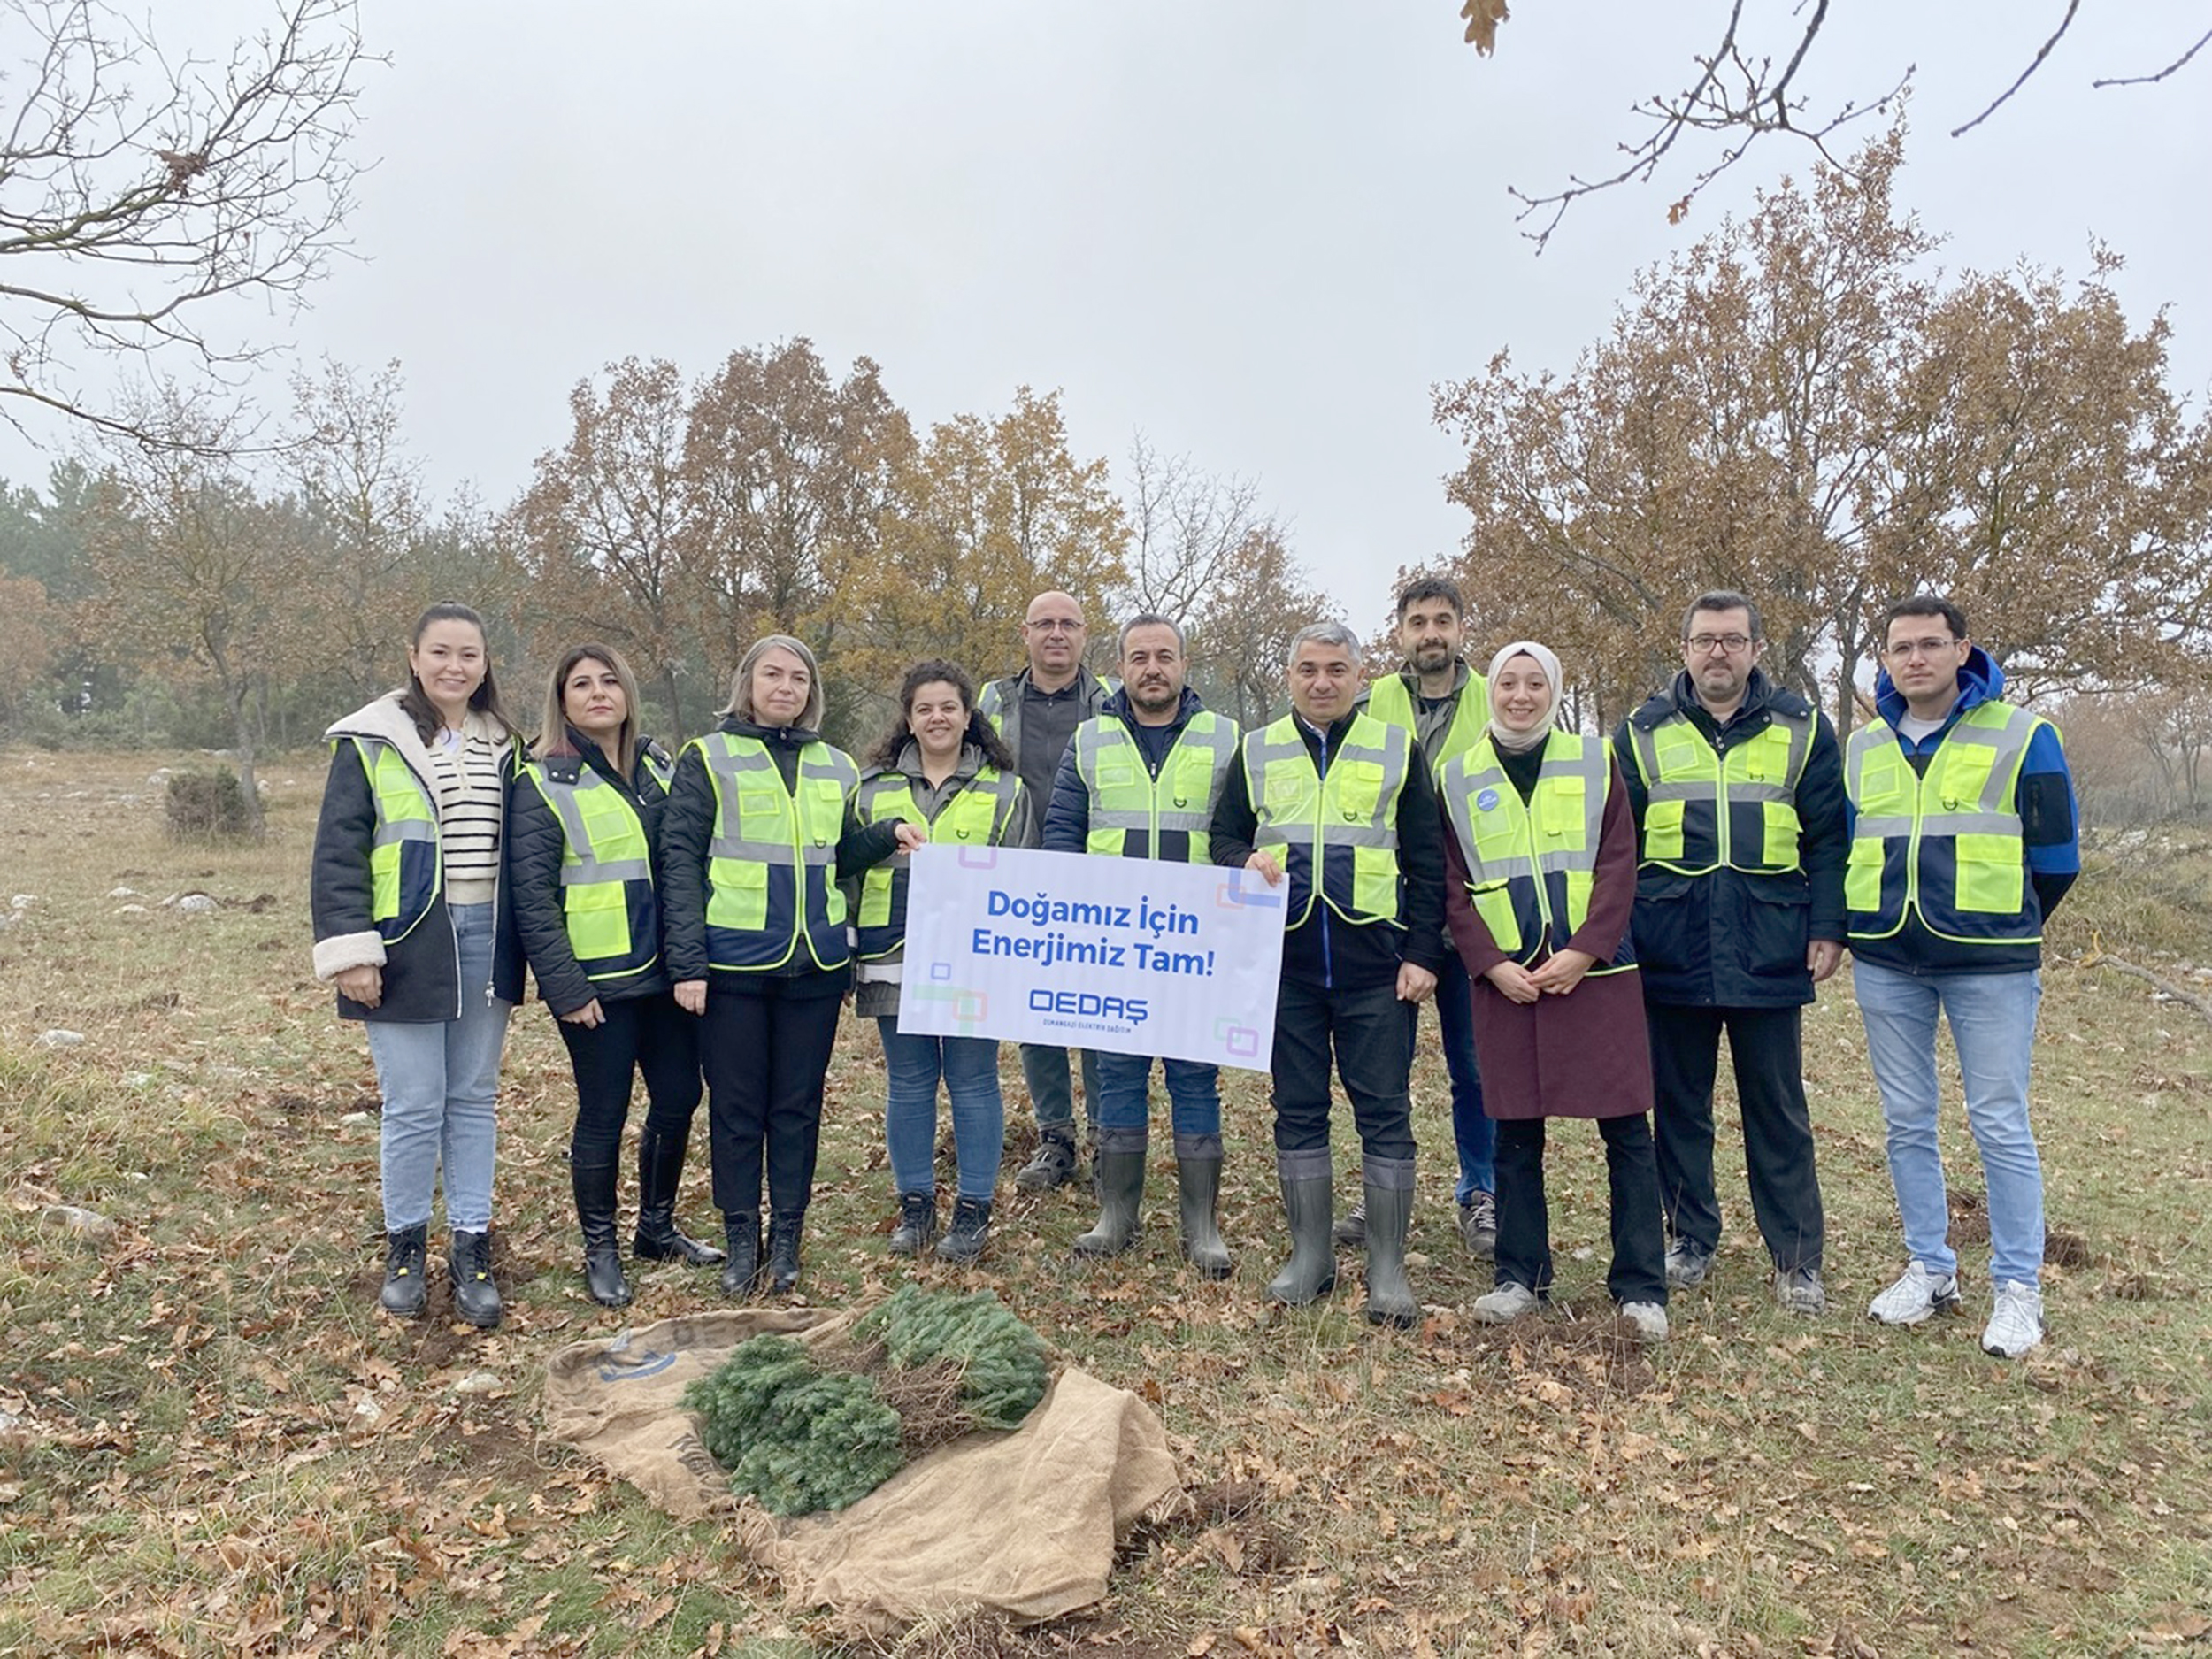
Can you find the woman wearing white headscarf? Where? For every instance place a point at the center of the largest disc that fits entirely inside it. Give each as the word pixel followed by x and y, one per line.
pixel 1542 855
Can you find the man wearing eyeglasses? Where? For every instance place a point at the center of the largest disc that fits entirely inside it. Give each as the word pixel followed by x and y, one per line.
pixel 1037 711
pixel 1737 788
pixel 1963 839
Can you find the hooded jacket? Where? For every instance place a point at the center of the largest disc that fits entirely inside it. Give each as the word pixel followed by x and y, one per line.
pixel 2050 831
pixel 422 970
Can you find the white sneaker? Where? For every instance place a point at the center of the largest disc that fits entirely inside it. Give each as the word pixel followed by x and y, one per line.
pixel 1916 1296
pixel 2016 1324
pixel 1505 1304
pixel 1648 1318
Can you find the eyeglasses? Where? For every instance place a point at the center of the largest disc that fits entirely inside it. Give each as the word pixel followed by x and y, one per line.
pixel 1055 625
pixel 1706 644
pixel 1904 650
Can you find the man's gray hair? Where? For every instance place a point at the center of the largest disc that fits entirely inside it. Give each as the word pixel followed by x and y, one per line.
pixel 1148 621
pixel 1330 634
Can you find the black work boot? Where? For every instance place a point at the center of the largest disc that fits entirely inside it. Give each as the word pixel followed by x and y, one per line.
pixel 1351 1227
pixel 404 1286
pixel 970 1232
pixel 918 1224
pixel 740 1230
pixel 660 1168
pixel 1054 1163
pixel 475 1298
pixel 1308 1203
pixel 1118 1172
pixel 1198 1190
pixel 593 1187
pixel 783 1251
pixel 1389 1183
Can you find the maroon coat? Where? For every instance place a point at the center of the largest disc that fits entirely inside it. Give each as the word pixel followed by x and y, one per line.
pixel 1583 1055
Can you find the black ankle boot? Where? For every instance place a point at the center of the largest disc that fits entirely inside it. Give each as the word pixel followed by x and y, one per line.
pixel 475 1298
pixel 783 1252
pixel 404 1288
pixel 918 1224
pixel 741 1232
pixel 660 1168
pixel 593 1187
pixel 970 1232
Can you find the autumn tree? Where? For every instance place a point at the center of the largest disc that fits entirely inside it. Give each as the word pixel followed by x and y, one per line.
pixel 602 533
pixel 145 192
pixel 986 513
pixel 1794 407
pixel 31 640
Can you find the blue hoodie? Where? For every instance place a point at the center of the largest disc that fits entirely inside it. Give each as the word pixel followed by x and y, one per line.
pixel 2049 826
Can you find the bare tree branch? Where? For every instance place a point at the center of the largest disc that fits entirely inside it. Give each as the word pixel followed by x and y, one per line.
pixel 2034 64
pixel 2144 81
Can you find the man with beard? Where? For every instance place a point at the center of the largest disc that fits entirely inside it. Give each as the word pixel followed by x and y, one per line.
pixel 1139 781
pixel 1037 711
pixel 1737 788
pixel 1443 703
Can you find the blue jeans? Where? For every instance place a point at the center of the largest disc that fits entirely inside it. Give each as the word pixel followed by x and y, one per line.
pixel 1194 1092
pixel 1473 1131
pixel 969 1066
pixel 1992 1024
pixel 440 1079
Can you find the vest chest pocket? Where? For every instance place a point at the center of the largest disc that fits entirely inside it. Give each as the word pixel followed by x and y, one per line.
pixel 1285 791
pixel 1116 771
pixel 1358 792
pixel 761 814
pixel 1955 783
pixel 1562 802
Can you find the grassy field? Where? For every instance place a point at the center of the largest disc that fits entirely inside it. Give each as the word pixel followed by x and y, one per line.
pixel 210 1442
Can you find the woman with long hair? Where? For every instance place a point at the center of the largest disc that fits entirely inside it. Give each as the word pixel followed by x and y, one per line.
pixel 405 890
pixel 758 829
pixel 941 764
pixel 1541 876
pixel 579 856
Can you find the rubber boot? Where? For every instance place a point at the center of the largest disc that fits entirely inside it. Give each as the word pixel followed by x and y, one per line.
pixel 593 1187
pixel 783 1251
pixel 475 1298
pixel 1118 1171
pixel 1389 1183
pixel 740 1230
pixel 970 1232
pixel 1308 1203
pixel 1198 1193
pixel 406 1288
pixel 660 1169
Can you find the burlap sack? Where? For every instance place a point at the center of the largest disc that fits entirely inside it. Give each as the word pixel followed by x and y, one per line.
pixel 1022 1523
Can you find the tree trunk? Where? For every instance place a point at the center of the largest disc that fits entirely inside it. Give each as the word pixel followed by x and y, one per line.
pixel 247 719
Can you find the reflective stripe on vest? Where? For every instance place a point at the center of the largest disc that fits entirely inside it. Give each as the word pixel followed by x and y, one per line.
pixel 658 767
pixel 1351 814
pixel 1135 814
pixel 1704 809
pixel 1006 716
pixel 772 863
pixel 607 899
pixel 975 816
pixel 1530 866
pixel 1390 700
pixel 406 857
pixel 1946 845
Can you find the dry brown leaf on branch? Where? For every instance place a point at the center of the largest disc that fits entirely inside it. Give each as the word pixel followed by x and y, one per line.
pixel 1483 17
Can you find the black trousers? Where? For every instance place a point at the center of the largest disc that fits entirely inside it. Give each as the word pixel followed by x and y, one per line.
pixel 1371 1034
pixel 1639 1272
pixel 647 1034
pixel 766 1056
pixel 1766 1047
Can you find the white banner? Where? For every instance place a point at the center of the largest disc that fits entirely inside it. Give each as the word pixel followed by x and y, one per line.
pixel 1125 955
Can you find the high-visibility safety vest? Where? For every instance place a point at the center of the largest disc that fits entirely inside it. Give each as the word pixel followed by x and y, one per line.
pixel 1005 715
pixel 1391 700
pixel 1135 814
pixel 607 897
pixel 1530 866
pixel 976 815
pixel 1346 820
pixel 406 857
pixel 772 863
pixel 1705 809
pixel 1947 844
pixel 659 764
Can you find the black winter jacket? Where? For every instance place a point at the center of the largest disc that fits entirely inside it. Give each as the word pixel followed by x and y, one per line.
pixel 1728 940
pixel 422 973
pixel 535 843
pixel 687 827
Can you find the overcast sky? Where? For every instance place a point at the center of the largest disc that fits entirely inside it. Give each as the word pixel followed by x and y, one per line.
pixel 1257 232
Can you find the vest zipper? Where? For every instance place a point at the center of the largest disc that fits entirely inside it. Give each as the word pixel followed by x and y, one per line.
pixel 1318 899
